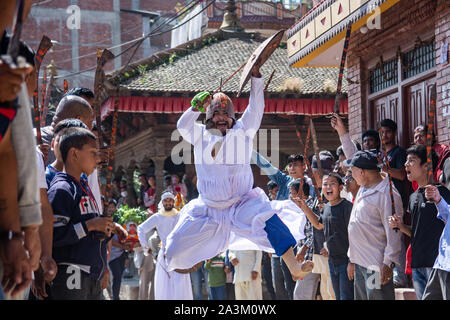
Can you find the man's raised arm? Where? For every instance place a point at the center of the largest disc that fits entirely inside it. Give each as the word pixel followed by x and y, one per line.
pixel 252 116
pixel 187 124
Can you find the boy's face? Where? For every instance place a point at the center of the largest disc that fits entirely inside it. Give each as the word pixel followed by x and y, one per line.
pixel 88 157
pixel 293 193
pixel 273 193
pixel 111 208
pixel 369 142
pixel 331 188
pixel 387 135
pixel 414 170
pixel 296 169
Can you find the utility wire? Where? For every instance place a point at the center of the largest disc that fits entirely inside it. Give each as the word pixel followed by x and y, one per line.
pixel 136 44
pixel 165 22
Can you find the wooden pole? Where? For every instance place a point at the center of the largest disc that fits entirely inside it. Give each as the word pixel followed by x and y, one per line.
pixel 316 147
pixel 338 96
pixel 430 129
pixel 308 165
pixel 44 46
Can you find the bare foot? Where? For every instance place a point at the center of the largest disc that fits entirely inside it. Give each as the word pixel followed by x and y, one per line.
pixel 302 270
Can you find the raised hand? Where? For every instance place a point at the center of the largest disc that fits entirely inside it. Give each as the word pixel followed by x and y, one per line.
pixel 201 100
pixel 337 124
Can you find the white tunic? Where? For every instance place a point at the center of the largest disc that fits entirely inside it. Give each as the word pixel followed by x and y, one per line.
pixel 169 285
pixel 229 213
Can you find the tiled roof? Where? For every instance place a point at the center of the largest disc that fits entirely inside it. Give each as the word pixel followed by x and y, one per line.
pixel 195 70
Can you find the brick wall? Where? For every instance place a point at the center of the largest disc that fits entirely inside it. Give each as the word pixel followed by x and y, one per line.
pixel 96 32
pixel 442 32
pixel 400 26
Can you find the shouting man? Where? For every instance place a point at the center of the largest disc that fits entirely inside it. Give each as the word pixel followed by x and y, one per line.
pixel 229 213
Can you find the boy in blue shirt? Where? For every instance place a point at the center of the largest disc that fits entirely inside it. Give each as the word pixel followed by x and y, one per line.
pixel 77 248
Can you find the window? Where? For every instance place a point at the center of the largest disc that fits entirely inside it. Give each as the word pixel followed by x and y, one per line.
pixel 383 76
pixel 418 60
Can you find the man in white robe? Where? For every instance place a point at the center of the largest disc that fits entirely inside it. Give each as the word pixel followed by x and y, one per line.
pixel 229 213
pixel 169 285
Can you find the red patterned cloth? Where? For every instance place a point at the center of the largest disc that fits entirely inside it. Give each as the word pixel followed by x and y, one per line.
pixel 6 117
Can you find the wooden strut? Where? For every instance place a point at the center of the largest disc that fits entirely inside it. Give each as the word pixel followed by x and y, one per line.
pixel 268 81
pixel 315 146
pixel 430 129
pixel 338 96
pixel 232 75
pixel 305 146
pixel 48 93
pixel 44 46
pixel 43 93
pixel 115 120
pixel 391 192
pixel 103 56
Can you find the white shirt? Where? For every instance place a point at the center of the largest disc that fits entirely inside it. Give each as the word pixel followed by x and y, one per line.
pixel 372 242
pixel 95 188
pixel 249 260
pixel 163 224
pixel 42 182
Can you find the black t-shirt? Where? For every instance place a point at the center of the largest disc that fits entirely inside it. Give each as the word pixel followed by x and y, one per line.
pixel 397 159
pixel 426 228
pixel 318 235
pixel 335 221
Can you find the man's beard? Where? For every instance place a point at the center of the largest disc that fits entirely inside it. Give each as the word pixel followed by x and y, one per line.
pixel 168 208
pixel 222 130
